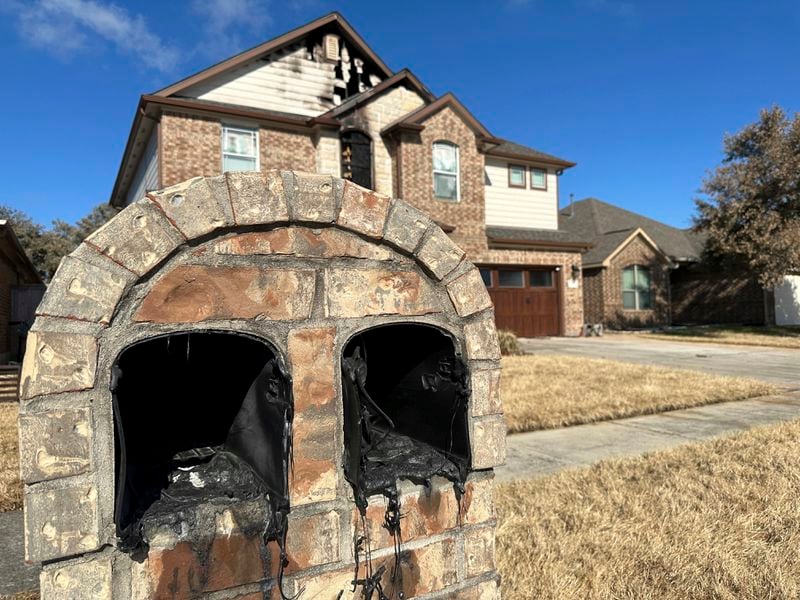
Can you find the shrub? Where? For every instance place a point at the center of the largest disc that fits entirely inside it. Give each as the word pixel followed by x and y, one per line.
pixel 509 344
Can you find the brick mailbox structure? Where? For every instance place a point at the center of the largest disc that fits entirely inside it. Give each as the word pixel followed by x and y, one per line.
pixel 263 386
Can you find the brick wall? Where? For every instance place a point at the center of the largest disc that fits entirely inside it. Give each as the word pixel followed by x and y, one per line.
pixel 593 305
pixel 637 252
pixel 191 146
pixel 700 296
pixel 415 158
pixel 286 150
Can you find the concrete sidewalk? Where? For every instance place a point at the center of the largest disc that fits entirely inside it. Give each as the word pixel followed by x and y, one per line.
pixel 541 452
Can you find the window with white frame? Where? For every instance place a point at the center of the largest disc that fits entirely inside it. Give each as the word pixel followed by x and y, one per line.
pixel 636 285
pixel 516 176
pixel 445 171
pixel 239 149
pixel 538 178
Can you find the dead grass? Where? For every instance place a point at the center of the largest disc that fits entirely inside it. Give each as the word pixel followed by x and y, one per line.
pixel 778 337
pixel 543 392
pixel 21 596
pixel 719 519
pixel 10 485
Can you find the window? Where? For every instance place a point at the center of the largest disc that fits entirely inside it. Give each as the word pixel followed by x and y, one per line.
pixel 541 278
pixel 510 279
pixel 239 149
pixel 636 288
pixel 445 171
pixel 516 176
pixel 357 158
pixel 538 178
pixel 486 275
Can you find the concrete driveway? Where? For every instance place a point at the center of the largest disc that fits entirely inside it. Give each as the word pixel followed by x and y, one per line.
pixel 775 365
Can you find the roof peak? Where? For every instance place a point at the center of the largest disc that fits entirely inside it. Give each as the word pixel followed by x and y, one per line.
pixel 274 44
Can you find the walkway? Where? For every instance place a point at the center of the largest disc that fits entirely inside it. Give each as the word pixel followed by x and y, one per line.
pixel 541 452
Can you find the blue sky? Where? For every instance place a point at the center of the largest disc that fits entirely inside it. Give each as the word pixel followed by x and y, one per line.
pixel 638 93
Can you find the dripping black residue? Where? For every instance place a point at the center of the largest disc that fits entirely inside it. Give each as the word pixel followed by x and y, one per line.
pixel 202 417
pixel 405 401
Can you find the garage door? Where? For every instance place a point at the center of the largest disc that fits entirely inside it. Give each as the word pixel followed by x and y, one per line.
pixel 526 301
pixel 787 301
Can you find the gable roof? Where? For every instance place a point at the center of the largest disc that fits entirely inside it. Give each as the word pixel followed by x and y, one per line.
pixel 610 227
pixel 414 119
pixel 274 44
pixel 402 77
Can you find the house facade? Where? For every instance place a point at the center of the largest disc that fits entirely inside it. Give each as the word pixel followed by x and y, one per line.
pixel 21 288
pixel 640 272
pixel 319 99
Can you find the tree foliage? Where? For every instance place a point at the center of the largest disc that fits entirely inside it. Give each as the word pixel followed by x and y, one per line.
pixel 751 214
pixel 46 247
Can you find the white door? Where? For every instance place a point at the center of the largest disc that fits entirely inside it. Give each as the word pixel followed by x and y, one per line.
pixel 787 301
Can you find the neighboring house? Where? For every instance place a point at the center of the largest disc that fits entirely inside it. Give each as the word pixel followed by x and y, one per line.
pixel 640 272
pixel 319 99
pixel 21 289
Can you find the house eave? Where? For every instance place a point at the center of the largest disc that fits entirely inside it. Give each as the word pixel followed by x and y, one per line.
pixel 506 244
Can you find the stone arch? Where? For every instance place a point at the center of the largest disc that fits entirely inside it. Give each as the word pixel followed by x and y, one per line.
pixel 379 260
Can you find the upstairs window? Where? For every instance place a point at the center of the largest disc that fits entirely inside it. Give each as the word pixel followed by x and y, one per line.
pixel 636 288
pixel 516 176
pixel 445 171
pixel 239 149
pixel 538 178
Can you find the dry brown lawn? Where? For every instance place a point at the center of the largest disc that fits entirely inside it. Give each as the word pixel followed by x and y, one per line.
pixel 10 485
pixel 778 337
pixel 719 519
pixel 543 392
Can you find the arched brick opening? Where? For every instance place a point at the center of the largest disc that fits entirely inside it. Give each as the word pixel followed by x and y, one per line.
pixel 305 261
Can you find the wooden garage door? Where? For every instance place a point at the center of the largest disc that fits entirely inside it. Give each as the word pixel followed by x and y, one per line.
pixel 526 300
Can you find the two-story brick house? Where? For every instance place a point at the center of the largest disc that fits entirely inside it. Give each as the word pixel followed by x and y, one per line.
pixel 319 99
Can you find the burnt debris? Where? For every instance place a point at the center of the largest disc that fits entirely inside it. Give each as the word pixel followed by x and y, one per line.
pixel 200 417
pixel 405 417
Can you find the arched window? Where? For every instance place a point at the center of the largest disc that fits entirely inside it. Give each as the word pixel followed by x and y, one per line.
pixel 445 171
pixel 357 158
pixel 636 284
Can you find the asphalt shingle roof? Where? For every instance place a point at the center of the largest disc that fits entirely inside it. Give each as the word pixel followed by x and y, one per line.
pixel 521 234
pixel 508 147
pixel 606 226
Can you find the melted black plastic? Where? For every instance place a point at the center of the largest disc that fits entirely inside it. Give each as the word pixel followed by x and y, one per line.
pixel 200 417
pixel 405 404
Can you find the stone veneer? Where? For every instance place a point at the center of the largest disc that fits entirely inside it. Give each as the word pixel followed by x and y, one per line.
pixel 210 254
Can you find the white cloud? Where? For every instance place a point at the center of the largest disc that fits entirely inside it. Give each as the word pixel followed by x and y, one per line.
pixel 225 22
pixel 65 27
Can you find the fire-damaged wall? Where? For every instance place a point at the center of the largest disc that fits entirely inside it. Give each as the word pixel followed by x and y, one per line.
pixel 263 386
